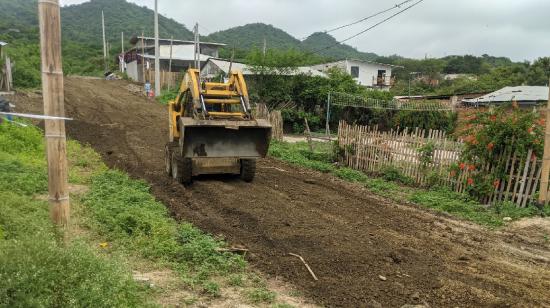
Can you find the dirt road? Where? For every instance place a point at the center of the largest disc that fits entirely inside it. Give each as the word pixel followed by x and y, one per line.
pixel 366 251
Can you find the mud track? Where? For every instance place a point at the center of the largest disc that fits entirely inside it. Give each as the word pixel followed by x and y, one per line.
pixel 348 236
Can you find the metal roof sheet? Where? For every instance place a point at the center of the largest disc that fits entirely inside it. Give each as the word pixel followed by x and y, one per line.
pixel 246 70
pixel 508 94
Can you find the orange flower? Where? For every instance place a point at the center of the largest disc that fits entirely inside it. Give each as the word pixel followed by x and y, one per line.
pixel 496 183
pixel 541 122
pixel 470 181
pixel 471 167
pixel 453 173
pixel 490 146
pixel 530 130
pixel 493 118
pixel 462 166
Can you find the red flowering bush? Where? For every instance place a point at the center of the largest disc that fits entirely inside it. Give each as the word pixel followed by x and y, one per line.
pixel 489 137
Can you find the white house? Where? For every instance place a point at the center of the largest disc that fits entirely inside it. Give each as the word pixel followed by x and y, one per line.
pixel 366 73
pixel 182 55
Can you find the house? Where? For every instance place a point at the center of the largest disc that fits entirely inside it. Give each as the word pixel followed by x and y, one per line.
pixel 214 67
pixel 366 73
pixel 182 55
pixel 523 95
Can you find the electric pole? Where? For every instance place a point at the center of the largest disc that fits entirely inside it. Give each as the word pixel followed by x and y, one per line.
pixel 157 52
pixel 104 42
pixel 52 89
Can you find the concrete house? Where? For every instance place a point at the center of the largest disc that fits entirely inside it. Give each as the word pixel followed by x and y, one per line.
pixel 183 55
pixel 366 73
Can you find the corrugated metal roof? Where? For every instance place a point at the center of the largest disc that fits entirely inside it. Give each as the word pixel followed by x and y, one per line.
pixel 530 94
pixel 246 70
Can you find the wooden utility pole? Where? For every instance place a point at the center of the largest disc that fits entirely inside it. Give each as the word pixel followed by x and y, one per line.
pixel 543 193
pixel 122 42
pixel 143 56
pixel 104 41
pixel 52 89
pixel 170 63
pixel 157 52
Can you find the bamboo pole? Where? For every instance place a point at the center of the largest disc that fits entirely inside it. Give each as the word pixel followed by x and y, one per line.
pixel 52 87
pixel 157 52
pixel 543 194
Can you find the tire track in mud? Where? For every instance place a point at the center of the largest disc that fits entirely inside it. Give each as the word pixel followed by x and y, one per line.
pixel 349 237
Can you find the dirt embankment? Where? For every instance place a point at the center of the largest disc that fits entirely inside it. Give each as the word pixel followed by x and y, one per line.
pixel 366 251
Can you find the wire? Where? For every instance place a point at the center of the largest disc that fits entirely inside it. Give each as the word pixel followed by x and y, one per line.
pixel 369 28
pixel 364 19
pixel 369 17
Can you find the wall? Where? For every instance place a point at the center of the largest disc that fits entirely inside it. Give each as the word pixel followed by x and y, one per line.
pixel 367 71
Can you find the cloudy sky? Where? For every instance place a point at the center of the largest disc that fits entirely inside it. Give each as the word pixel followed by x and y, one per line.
pixel 518 29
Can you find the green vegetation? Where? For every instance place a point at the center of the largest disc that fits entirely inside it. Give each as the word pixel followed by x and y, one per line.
pixel 38 268
pixel 35 268
pixel 390 184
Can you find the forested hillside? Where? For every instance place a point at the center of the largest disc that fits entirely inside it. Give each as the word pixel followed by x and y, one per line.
pixel 319 41
pixel 82 23
pixel 83 53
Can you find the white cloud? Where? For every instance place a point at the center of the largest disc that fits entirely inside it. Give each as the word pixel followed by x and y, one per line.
pixel 516 29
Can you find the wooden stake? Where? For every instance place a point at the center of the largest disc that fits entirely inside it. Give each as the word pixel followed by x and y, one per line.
pixel 170 63
pixel 543 194
pixel 52 88
pixel 308 135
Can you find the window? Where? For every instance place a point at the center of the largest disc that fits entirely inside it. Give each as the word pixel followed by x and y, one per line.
pixel 355 71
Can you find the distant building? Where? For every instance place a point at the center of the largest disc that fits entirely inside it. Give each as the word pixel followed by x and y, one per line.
pixel 183 55
pixel 523 95
pixel 366 73
pixel 215 67
pixel 450 77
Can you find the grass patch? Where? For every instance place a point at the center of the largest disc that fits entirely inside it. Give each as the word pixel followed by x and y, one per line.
pixel 37 271
pixel 260 295
pixel 389 184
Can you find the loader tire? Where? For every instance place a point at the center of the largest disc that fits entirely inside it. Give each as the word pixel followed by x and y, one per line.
pixel 248 169
pixel 182 168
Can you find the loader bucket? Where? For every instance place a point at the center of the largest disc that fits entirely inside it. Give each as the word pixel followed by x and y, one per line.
pixel 225 139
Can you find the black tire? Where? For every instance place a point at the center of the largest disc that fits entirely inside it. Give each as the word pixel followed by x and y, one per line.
pixel 248 169
pixel 182 168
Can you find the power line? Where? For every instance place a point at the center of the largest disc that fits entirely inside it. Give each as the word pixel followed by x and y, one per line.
pixel 369 28
pixel 369 17
pixel 364 19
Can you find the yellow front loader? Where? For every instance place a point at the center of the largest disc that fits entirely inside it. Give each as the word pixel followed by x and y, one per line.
pixel 212 130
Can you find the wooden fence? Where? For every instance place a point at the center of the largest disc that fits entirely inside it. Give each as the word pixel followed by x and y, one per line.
pixel 275 118
pixel 168 80
pixel 426 156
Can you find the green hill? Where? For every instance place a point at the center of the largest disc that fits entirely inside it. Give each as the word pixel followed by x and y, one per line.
pixel 82 22
pixel 319 41
pixel 252 36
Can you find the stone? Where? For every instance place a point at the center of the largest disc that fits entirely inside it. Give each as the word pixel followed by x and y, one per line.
pixel 383 278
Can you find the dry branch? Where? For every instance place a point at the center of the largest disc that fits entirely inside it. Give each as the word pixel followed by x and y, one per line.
pixel 307 266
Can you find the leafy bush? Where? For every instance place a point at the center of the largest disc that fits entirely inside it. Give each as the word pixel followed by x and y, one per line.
pixel 489 135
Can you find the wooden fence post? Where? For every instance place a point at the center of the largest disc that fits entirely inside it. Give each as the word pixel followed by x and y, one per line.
pixel 543 194
pixel 52 88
